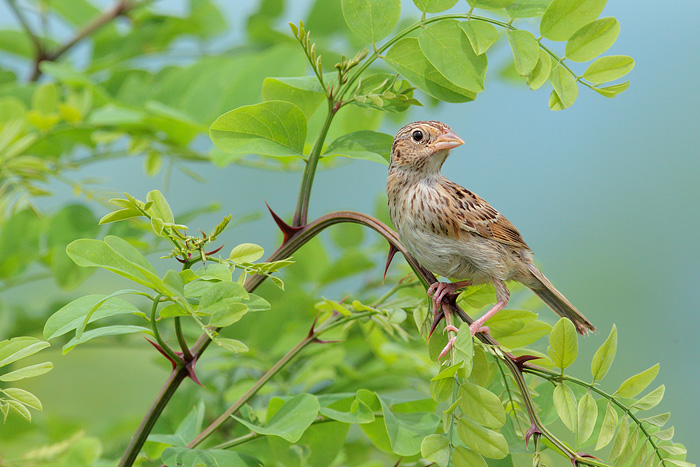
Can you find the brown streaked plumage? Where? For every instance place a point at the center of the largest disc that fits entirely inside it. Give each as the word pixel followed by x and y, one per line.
pixel 456 234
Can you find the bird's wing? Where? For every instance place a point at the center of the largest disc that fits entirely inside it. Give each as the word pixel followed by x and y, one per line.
pixel 477 216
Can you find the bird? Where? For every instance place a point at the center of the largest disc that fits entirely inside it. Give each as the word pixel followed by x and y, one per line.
pixel 456 234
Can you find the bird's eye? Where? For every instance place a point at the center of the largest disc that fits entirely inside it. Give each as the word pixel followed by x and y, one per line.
pixel 417 136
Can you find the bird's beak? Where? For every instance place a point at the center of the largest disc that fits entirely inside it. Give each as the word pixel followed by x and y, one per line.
pixel 447 140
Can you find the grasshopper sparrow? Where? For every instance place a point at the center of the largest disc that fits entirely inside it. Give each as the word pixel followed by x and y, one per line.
pixel 456 234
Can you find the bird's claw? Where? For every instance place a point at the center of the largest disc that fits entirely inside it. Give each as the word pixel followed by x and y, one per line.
pixel 477 327
pixel 450 344
pixel 437 291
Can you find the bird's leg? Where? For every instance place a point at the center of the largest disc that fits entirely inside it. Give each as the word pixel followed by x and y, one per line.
pixel 438 290
pixel 502 296
pixel 449 327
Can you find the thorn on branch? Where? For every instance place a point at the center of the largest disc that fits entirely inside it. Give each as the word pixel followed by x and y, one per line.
pixel 521 360
pixel 438 317
pixel 209 253
pixel 581 454
pixel 533 430
pixel 392 252
pixel 287 230
pixel 312 331
pixel 189 366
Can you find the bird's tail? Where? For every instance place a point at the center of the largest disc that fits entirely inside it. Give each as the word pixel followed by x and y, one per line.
pixel 557 302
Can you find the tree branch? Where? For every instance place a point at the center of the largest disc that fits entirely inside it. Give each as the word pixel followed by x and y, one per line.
pixel 121 8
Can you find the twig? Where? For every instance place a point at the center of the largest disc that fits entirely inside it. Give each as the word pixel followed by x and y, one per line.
pixel 121 8
pixel 25 25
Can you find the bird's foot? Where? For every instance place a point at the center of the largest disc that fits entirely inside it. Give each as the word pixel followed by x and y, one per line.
pixel 450 342
pixel 438 290
pixel 476 326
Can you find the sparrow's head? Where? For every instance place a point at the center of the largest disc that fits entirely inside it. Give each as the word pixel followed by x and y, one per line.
pixel 422 147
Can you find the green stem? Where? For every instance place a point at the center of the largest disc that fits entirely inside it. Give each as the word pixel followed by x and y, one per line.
pixel 181 339
pixel 302 211
pixel 173 356
pixel 311 337
pixel 552 376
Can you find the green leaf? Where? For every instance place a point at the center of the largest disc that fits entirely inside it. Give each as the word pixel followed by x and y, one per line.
pixel 526 51
pixel 604 356
pixel 120 215
pixel 481 405
pixel 231 345
pixel 246 253
pixel 637 383
pixel 272 128
pixel 486 442
pixel 527 8
pixel 284 89
pixel 102 332
pixel 358 413
pixel 376 431
pixel 406 58
pixel 489 4
pixel 651 400
pixel 27 372
pixel 607 428
pixel 679 463
pixel 463 457
pixel 159 207
pixel 592 39
pixel 587 416
pixel 565 404
pixel 441 385
pixel 72 316
pixel 448 49
pixel 481 35
pixel 620 440
pixel 563 343
pixel 665 435
pixel 291 420
pixel 172 310
pixel 116 255
pixel 540 74
pixel 371 20
pixel 609 68
pixel 434 6
pixel 517 328
pixel 181 457
pixel 464 349
pixel 563 17
pixel 658 420
pixel 25 397
pixel 364 144
pixel 407 430
pixel 565 86
pixel 223 301
pixel 614 90
pixel 18 348
pixel 436 448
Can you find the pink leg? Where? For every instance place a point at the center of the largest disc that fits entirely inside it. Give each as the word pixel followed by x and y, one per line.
pixel 450 342
pixel 438 290
pixel 502 295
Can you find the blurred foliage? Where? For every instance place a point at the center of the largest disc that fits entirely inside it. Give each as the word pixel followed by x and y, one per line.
pixel 316 376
